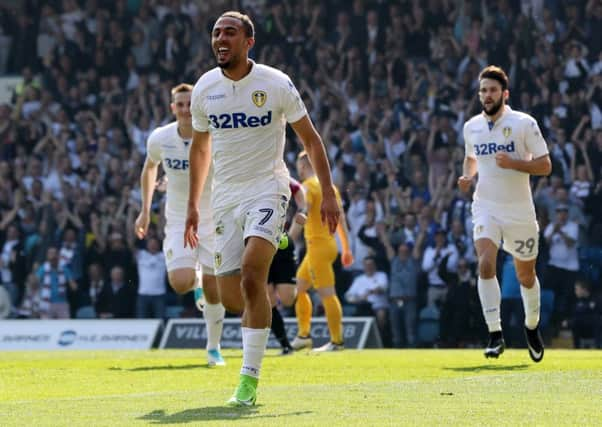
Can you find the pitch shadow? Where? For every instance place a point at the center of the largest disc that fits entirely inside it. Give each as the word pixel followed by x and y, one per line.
pixel 211 413
pixel 160 368
pixel 489 368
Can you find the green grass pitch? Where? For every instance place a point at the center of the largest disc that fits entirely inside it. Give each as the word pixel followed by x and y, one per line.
pixel 368 388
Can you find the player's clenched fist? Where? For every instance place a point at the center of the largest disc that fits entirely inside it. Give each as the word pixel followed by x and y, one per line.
pixel 141 225
pixel 503 160
pixel 464 183
pixel 191 238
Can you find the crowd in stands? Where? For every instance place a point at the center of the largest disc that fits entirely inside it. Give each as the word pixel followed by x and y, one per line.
pixel 389 85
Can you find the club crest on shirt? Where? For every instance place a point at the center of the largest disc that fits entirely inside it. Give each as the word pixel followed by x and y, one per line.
pixel 259 98
pixel 507 131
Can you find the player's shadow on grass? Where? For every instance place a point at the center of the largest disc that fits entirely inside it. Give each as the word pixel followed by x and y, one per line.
pixel 160 368
pixel 212 413
pixel 489 368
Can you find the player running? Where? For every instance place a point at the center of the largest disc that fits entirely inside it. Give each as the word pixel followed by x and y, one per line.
pixel 239 115
pixel 316 268
pixel 169 145
pixel 504 147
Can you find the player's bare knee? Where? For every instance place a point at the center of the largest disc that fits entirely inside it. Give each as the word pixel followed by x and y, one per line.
pixel 302 286
pixel 253 278
pixel 253 289
pixel 181 284
pixel 182 280
pixel 526 278
pixel 326 291
pixel 287 296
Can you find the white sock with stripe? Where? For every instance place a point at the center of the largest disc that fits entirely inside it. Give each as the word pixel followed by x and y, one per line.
pixel 491 298
pixel 254 342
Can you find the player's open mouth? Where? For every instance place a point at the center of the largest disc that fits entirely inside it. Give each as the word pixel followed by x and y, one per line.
pixel 222 53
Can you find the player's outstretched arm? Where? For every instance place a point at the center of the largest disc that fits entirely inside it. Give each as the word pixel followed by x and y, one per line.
pixel 148 177
pixel 541 166
pixel 469 170
pixel 330 209
pixel 199 160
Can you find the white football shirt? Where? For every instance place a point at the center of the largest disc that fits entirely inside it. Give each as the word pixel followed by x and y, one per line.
pixel 506 191
pixel 165 145
pixel 247 121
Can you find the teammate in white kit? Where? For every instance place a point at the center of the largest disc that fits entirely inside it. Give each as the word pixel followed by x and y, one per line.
pixel 504 147
pixel 170 145
pixel 239 115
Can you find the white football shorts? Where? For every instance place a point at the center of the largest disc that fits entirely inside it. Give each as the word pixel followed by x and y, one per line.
pixel 177 256
pixel 519 239
pixel 262 217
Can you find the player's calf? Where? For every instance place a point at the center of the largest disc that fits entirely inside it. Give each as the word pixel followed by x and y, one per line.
pixel 230 293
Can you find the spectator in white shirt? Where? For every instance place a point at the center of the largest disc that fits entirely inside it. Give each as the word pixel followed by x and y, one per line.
pixel 151 281
pixel 563 265
pixel 370 288
pixel 433 255
pixel 576 66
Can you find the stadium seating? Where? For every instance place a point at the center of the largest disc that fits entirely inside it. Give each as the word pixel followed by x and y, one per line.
pixel 173 311
pixel 428 326
pixel 85 312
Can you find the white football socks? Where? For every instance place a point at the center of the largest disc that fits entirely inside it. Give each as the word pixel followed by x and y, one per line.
pixel 254 342
pixel 531 304
pixel 214 319
pixel 491 297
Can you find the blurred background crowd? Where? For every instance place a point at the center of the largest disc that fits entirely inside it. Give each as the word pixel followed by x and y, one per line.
pixel 389 85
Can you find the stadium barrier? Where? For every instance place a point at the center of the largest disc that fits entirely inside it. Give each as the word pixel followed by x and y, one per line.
pixel 106 334
pixel 358 332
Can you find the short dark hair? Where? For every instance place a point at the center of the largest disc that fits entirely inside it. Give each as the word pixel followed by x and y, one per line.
pixel 182 87
pixel 496 73
pixel 244 19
